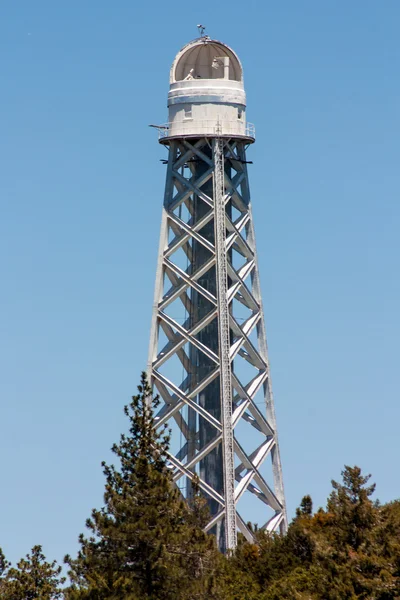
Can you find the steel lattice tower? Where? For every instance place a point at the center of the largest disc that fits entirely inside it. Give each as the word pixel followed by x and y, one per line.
pixel 208 357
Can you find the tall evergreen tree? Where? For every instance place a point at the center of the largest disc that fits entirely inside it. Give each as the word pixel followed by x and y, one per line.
pixel 352 508
pixel 306 507
pixel 145 542
pixel 33 579
pixel 4 564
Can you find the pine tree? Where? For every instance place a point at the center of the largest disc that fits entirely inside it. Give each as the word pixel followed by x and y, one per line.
pixel 351 507
pixel 306 507
pixel 33 579
pixel 4 565
pixel 144 542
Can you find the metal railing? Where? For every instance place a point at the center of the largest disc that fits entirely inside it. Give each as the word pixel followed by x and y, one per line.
pixel 206 127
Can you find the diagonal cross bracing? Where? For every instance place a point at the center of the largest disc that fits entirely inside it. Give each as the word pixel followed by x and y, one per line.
pixel 208 357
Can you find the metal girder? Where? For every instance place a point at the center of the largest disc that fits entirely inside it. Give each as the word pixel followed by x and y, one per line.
pixel 209 363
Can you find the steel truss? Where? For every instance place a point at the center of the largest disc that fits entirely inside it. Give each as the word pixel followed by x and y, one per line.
pixel 208 358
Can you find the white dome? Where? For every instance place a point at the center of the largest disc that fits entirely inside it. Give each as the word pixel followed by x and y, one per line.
pixel 199 60
pixel 206 93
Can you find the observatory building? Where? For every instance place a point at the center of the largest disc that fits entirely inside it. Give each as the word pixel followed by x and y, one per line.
pixel 208 357
pixel 206 87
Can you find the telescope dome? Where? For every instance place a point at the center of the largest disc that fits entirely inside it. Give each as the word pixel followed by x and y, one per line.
pixel 206 93
pixel 204 59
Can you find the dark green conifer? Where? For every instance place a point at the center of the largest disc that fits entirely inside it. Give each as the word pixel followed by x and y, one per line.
pixel 144 543
pixel 33 579
pixel 352 509
pixel 4 564
pixel 306 507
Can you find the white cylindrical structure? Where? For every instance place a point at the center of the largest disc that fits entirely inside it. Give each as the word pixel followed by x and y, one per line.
pixel 206 94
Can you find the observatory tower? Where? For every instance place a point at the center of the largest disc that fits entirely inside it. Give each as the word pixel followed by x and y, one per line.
pixel 208 356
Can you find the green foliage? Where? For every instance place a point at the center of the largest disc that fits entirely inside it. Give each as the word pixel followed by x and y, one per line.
pixel 349 551
pixel 145 543
pixel 4 564
pixel 353 511
pixel 33 578
pixel 305 508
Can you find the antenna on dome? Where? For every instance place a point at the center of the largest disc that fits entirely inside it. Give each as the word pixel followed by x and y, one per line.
pixel 201 29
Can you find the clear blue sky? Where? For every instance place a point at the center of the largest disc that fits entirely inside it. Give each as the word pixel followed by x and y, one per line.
pixel 81 189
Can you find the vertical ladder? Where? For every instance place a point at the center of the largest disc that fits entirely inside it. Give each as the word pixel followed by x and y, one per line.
pixel 224 344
